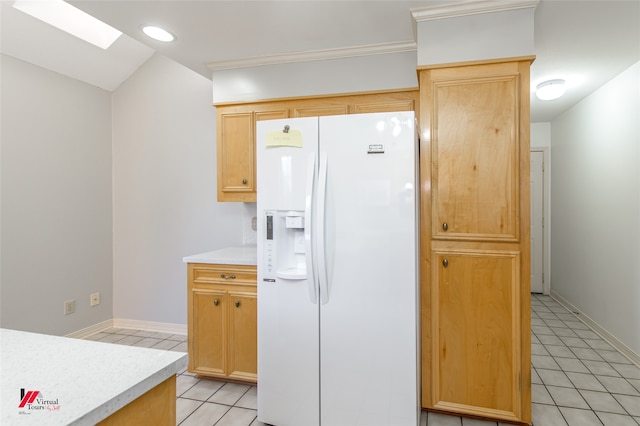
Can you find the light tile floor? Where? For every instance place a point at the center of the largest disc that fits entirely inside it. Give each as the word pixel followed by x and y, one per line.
pixel 578 379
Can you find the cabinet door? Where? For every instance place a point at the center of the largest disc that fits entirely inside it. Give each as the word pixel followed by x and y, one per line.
pixel 321 110
pixel 210 332
pixel 271 114
pixel 475 158
pixel 236 156
pixel 243 336
pixel 383 106
pixel 475 326
pixel 237 151
pixel 475 220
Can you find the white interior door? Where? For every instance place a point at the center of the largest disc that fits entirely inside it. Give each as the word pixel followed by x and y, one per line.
pixel 537 221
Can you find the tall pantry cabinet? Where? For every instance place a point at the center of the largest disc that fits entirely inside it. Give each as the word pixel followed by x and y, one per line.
pixel 475 269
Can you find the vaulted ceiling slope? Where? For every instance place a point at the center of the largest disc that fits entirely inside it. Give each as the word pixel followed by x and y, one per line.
pixel 38 43
pixel 593 39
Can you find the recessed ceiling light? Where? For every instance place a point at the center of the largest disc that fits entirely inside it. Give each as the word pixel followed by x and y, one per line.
pixel 158 33
pixel 551 89
pixel 71 20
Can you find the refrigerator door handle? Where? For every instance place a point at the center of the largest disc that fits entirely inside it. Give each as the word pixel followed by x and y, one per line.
pixel 308 229
pixel 320 234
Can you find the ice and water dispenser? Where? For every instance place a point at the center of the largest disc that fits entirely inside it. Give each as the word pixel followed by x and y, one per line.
pixel 284 246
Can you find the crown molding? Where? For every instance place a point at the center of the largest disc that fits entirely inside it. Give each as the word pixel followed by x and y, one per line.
pixel 315 55
pixel 469 7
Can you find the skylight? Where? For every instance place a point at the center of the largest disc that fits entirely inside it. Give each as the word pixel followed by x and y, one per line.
pixel 71 20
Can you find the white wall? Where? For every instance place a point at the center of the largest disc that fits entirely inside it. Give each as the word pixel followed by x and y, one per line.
pixel 56 200
pixel 475 37
pixel 316 77
pixel 540 135
pixel 596 207
pixel 164 189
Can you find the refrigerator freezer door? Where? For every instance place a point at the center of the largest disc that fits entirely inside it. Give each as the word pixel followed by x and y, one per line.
pixel 288 322
pixel 283 148
pixel 368 326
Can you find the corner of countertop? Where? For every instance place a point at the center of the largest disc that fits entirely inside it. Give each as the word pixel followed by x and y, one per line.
pixel 234 255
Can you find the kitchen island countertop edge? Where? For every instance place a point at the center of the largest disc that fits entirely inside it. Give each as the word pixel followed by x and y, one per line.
pixel 87 380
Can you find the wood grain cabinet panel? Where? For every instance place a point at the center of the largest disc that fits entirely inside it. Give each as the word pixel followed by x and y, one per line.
pixel 236 145
pixel 475 160
pixel 236 155
pixel 474 239
pixel 209 331
pixel 243 339
pixel 320 110
pixel 222 321
pixel 155 407
pixel 476 327
pixel 236 138
pixel 383 106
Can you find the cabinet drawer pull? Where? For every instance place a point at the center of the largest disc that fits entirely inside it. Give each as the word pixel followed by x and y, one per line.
pixel 244 181
pixel 237 303
pixel 227 277
pixel 216 302
pixel 445 263
pixel 445 226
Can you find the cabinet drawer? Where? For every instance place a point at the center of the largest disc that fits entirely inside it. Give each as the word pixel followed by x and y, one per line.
pixel 223 274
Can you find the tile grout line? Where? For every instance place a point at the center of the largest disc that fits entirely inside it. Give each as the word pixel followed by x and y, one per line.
pixel 578 356
pixel 563 330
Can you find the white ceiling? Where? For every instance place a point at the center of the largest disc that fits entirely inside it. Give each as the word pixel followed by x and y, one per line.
pixel 33 41
pixel 593 39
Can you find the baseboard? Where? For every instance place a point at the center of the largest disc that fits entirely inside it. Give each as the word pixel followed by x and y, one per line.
pixel 91 330
pixel 598 329
pixel 158 327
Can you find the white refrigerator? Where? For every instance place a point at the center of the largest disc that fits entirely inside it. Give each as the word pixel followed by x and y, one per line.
pixel 337 271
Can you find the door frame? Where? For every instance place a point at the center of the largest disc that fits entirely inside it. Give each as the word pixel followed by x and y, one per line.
pixel 546 199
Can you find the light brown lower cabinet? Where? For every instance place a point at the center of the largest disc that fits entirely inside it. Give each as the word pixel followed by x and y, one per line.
pixel 155 407
pixel 476 326
pixel 222 321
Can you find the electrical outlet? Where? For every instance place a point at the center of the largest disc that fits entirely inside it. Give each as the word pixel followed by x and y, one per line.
pixel 69 307
pixel 254 223
pixel 94 299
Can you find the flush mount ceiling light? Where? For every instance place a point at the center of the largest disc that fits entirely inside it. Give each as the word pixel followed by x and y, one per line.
pixel 71 20
pixel 158 33
pixel 551 89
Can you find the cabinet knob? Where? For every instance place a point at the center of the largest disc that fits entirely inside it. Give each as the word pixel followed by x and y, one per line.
pixel 216 302
pixel 244 181
pixel 445 263
pixel 237 303
pixel 445 226
pixel 227 277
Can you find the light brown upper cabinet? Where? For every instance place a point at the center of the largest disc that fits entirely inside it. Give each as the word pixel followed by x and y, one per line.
pixel 475 239
pixel 236 146
pixel 236 136
pixel 320 110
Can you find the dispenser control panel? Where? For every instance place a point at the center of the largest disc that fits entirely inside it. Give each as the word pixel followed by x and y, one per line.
pixel 284 255
pixel 269 248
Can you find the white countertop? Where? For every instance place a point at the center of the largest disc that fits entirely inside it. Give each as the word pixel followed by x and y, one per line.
pixel 241 255
pixel 83 381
